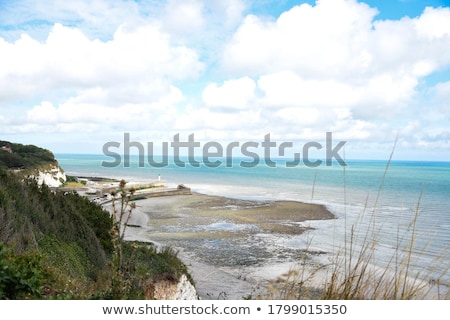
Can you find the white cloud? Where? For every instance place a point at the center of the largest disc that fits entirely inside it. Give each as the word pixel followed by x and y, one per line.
pixel 335 55
pixel 436 109
pixel 202 66
pixel 92 83
pixel 184 17
pixel 284 89
pixel 231 10
pixel 235 94
pixel 310 40
pixel 442 90
pixel 45 114
pixel 299 116
pixel 90 111
pixel 204 119
pixel 69 60
pixel 434 23
pixel 337 39
pixel 384 95
pixel 96 18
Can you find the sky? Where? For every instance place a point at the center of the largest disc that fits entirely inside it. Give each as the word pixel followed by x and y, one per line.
pixel 75 75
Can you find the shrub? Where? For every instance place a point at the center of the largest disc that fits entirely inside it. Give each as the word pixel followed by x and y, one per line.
pixel 21 276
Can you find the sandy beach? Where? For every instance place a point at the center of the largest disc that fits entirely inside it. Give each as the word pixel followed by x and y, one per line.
pixel 232 247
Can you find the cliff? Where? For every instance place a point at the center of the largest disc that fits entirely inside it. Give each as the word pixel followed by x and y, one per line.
pixel 32 161
pixel 60 245
pixel 52 175
pixel 167 290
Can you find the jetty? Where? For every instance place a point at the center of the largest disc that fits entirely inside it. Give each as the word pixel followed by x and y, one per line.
pixel 100 190
pixel 162 192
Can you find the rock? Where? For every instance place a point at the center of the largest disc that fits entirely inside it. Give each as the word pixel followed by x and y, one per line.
pixel 169 290
pixel 52 176
pixel 185 290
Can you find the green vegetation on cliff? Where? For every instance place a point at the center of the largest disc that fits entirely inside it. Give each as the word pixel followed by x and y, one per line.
pixel 59 245
pixel 19 156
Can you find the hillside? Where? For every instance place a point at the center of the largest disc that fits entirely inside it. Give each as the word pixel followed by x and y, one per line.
pixel 68 234
pixel 19 156
pixel 56 244
pixel 33 162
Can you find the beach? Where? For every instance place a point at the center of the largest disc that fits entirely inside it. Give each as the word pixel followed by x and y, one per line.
pixel 243 249
pixel 232 247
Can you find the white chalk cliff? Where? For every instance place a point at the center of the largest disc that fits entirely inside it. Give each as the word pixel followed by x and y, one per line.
pixel 53 176
pixel 167 290
pixel 185 290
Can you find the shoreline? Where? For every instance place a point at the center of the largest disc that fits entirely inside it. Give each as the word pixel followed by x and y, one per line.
pixel 239 249
pixel 229 245
pixel 236 257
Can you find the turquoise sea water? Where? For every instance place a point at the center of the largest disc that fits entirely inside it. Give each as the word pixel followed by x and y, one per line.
pixel 360 195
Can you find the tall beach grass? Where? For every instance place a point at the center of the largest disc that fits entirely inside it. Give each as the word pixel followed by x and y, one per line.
pixel 354 271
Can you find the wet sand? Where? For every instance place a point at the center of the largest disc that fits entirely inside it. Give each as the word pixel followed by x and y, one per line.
pixel 226 242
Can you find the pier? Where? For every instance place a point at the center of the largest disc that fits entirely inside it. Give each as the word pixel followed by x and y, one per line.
pixel 99 191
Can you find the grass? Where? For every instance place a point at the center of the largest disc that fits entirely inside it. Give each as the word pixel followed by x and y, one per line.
pixel 73 184
pixel 353 274
pixel 136 266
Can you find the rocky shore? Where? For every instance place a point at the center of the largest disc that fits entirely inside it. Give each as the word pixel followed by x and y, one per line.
pixel 232 246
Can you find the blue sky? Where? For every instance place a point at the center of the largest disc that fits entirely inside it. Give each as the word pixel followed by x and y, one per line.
pixel 75 75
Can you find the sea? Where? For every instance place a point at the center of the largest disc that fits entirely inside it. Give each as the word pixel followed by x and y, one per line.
pixel 401 207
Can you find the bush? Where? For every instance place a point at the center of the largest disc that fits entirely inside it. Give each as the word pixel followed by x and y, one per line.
pixel 21 276
pixel 25 156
